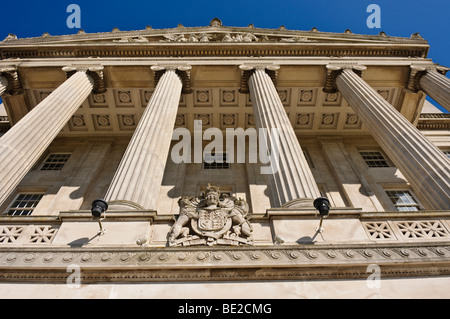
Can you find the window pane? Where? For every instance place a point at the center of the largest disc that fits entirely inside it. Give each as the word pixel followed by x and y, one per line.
pixel 24 204
pixel 374 159
pixel 55 162
pixel 403 200
pixel 216 161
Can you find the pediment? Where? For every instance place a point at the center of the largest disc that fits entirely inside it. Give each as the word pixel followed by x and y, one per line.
pixel 215 32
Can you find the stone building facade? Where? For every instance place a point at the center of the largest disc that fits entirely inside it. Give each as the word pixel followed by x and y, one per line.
pixel 129 120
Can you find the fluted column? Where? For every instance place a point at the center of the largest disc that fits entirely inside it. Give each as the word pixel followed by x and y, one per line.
pixel 437 86
pixel 138 178
pixel 292 184
pixel 26 141
pixel 425 167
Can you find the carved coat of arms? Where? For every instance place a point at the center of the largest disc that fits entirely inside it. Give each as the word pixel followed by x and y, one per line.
pixel 211 218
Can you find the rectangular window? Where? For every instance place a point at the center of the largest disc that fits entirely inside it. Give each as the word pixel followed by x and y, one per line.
pixel 55 162
pixel 447 153
pixel 374 159
pixel 24 204
pixel 403 200
pixel 211 163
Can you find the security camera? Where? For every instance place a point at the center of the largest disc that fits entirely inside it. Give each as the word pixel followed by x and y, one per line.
pixel 322 204
pixel 99 206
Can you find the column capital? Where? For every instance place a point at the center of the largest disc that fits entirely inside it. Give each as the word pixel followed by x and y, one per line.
pixel 183 71
pixel 11 75
pixel 333 70
pixel 94 71
pixel 248 69
pixel 415 73
pixel 431 79
pixel 441 69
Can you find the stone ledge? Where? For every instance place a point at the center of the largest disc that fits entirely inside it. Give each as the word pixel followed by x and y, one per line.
pixel 244 263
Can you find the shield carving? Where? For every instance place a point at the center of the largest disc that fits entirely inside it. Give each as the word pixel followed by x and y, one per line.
pixel 211 220
pixel 211 223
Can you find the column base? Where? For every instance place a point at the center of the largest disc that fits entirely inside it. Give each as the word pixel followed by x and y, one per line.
pixel 300 203
pixel 123 205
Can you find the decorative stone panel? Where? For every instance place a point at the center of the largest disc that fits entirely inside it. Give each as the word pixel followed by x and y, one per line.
pixel 205 118
pixel 307 97
pixel 202 97
pixel 304 120
pixel 285 96
pixel 126 121
pixel 329 120
pixel 43 234
pixel 10 234
pixel 250 120
pixel 123 98
pixel 99 100
pixel 332 99
pixel 145 97
pixel 228 120
pixel 378 230
pixel 101 122
pixel 78 123
pixel 426 229
pixel 352 121
pixel 229 97
pixel 180 120
pixel 27 234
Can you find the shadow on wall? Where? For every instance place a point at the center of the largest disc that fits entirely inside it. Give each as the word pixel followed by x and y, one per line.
pixel 81 241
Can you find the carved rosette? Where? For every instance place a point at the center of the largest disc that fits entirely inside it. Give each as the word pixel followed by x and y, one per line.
pixel 211 218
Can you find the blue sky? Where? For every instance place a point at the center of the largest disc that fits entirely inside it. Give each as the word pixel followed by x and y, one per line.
pixel 398 17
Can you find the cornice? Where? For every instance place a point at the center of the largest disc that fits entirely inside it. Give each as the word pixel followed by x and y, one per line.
pixel 434 121
pixel 156 50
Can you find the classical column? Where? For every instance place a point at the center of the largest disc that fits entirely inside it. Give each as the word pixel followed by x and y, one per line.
pixel 437 86
pixel 292 183
pixel 138 178
pixel 26 141
pixel 425 167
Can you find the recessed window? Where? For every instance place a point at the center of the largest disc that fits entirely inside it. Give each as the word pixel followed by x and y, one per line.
pixel 374 159
pixel 216 161
pixel 403 200
pixel 24 204
pixel 55 162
